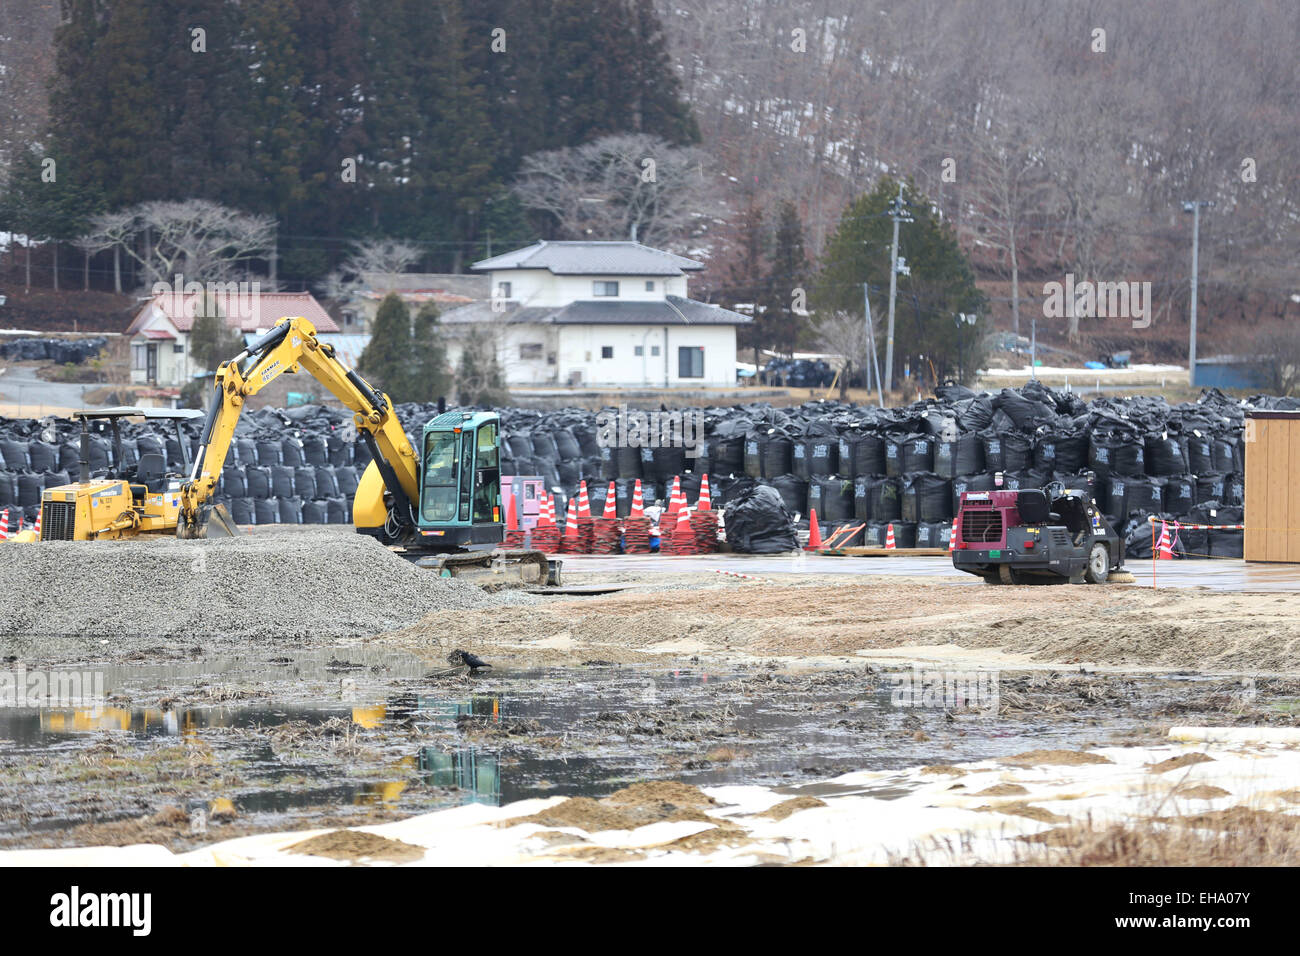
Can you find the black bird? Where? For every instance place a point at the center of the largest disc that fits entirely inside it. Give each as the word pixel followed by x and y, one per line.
pixel 459 658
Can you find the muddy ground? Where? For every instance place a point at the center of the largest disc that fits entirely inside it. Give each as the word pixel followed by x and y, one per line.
pixel 786 682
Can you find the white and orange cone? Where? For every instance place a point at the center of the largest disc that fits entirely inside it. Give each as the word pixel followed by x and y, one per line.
pixel 676 500
pixel 706 502
pixel 1166 543
pixel 584 503
pixel 683 524
pixel 611 503
pixel 571 522
pixel 38 525
pixel 545 512
pixel 889 538
pixel 638 505
pixel 4 525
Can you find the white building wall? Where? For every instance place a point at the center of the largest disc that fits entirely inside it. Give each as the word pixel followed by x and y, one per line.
pixel 581 360
pixel 539 288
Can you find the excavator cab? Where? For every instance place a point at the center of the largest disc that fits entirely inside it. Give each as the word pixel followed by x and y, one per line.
pixel 460 482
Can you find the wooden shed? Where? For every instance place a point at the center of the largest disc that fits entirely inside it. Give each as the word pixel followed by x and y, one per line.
pixel 1272 520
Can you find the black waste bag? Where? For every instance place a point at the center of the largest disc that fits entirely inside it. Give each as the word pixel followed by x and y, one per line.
pixel 758 522
pixel 608 464
pixel 570 472
pixel 292 453
pixel 520 445
pixel 1116 453
pixel 337 510
pixel 304 482
pixel 963 456
pixel 969 483
pixel 918 454
pixel 233 482
pixel 1006 452
pixel 347 477
pixel 933 534
pixel 1059 451
pixel 314 512
pixel 868 454
pixel 1235 491
pixel 926 497
pixel 1226 543
pixel 1113 500
pixel 836 496
pixel 588 437
pixel 1224 452
pixel 242 510
pixel 53 479
pixel 894 457
pixel 281 481
pixel 315 449
pixel 904 533
pixel 70 456
pixel 1211 488
pixel 1200 453
pixel 98 453
pixel 1145 494
pixel 340 451
pixel 14 454
pixel 1165 455
pixel 727 455
pixel 1022 480
pixel 1189 543
pixel 668 464
pixel 361 455
pixel 1136 532
pixel 268 452
pixel 1180 495
pixel 327 485
pixel 8 489
pixel 544 447
pixel 886 499
pixel 29 488
pixel 566 444
pixel 42 456
pixel 816 456
pixel 244 450
pixel 795 492
pixel 290 510
pixel 266 511
pixel 1027 413
pixel 777 455
pixel 862 498
pixel 145 445
pixel 258 481
pixel 628 462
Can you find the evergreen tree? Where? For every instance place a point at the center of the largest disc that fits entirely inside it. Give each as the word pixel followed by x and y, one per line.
pixel 479 380
pixel 788 272
pixel 432 372
pixel 387 359
pixel 940 285
pixel 745 279
pixel 212 340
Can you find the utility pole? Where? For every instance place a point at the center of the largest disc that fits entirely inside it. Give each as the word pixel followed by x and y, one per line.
pixel 898 213
pixel 871 341
pixel 1194 207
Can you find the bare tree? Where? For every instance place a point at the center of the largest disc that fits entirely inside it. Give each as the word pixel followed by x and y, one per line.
pixel 110 230
pixel 845 334
pixel 371 259
pixel 198 239
pixel 619 186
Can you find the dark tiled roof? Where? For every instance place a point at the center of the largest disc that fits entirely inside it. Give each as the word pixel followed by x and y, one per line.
pixel 673 310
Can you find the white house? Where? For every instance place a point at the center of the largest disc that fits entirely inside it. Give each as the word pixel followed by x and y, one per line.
pixel 160 331
pixel 599 313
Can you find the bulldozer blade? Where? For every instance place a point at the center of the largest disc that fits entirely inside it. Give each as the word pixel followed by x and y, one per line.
pixel 214 521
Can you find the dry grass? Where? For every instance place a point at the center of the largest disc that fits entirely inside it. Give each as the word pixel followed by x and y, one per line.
pixel 1253 839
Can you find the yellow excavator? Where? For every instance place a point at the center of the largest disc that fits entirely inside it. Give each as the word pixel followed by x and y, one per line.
pixel 441 507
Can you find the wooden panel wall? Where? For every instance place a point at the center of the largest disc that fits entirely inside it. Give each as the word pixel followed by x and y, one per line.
pixel 1272 489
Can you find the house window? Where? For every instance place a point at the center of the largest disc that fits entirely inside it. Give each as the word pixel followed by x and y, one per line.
pixel 550 358
pixel 638 350
pixel 349 317
pixel 649 285
pixel 178 349
pixel 604 288
pixel 140 357
pixel 654 350
pixel 503 290
pixel 690 361
pixel 607 351
pixel 531 351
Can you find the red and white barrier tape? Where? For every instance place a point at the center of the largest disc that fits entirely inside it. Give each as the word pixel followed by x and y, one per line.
pixel 1178 525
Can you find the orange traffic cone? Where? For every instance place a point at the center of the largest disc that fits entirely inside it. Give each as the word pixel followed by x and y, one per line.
pixel 611 503
pixel 889 538
pixel 952 538
pixel 1166 544
pixel 512 523
pixel 638 505
pixel 38 525
pixel 571 522
pixel 683 525
pixel 545 512
pixel 814 532
pixel 584 505
pixel 4 525
pixel 676 500
pixel 706 502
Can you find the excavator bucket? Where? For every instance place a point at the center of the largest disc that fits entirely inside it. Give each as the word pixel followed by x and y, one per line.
pixel 214 521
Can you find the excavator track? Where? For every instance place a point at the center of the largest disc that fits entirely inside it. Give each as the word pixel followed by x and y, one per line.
pixel 491 567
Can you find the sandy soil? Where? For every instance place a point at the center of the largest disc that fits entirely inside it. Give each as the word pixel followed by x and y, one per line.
pixel 832 618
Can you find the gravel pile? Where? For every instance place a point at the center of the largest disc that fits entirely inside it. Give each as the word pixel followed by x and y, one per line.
pixel 316 584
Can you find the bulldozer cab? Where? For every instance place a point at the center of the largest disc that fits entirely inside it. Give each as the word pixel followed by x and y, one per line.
pixel 151 469
pixel 460 480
